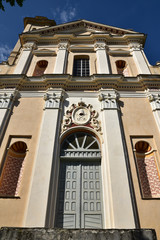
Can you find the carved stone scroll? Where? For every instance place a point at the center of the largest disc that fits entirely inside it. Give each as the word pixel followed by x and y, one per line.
pixel 81 115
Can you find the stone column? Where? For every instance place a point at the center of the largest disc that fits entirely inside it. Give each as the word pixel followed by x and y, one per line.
pixel 139 58
pixel 121 205
pixel 62 56
pixel 102 58
pixel 154 98
pixel 47 146
pixel 7 97
pixel 25 58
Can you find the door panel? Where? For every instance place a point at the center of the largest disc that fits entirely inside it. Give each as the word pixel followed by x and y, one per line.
pixel 79 202
pixel 91 196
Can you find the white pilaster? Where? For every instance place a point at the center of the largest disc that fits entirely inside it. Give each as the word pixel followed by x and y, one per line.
pixel 7 97
pixel 154 98
pixel 25 58
pixel 102 59
pixel 139 58
pixel 61 60
pixel 121 205
pixel 48 142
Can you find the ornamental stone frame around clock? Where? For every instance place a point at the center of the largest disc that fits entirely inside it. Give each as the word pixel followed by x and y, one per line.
pixel 81 114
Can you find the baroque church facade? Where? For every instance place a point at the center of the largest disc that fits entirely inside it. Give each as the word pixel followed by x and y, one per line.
pixel 79 129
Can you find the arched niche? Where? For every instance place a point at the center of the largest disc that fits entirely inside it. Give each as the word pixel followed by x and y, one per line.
pixel 12 169
pixel 40 68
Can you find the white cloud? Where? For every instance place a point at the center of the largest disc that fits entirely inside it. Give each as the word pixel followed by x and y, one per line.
pixel 4 52
pixel 65 14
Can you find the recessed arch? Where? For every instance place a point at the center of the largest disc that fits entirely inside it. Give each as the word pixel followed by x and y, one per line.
pixel 82 129
pixel 40 68
pixel 12 169
pixel 79 202
pixel 79 145
pixel 142 147
pixel 148 175
pixel 122 67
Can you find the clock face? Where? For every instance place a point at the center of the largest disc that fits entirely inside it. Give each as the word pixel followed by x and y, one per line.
pixel 81 116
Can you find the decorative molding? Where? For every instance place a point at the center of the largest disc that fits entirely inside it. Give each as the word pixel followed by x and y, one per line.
pixel 53 99
pixel 82 48
pixel 81 115
pixel 86 25
pixel 119 52
pixel 136 46
pixel 63 46
pixel 44 52
pixel 68 82
pixel 100 46
pixel 81 154
pixel 6 98
pixel 108 100
pixel 154 99
pixel 29 46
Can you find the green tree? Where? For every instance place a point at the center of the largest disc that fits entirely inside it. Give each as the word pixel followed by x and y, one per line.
pixel 11 2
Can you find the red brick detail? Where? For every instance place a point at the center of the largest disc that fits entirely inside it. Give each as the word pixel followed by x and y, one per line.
pixel 11 176
pixel 148 175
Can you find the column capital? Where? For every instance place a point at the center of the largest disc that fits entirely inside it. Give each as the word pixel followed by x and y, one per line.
pixel 63 44
pixel 100 45
pixel 108 99
pixel 53 98
pixel 136 46
pixel 7 96
pixel 154 98
pixel 29 46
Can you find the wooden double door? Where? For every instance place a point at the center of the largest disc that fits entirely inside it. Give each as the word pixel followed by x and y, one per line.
pixel 79 202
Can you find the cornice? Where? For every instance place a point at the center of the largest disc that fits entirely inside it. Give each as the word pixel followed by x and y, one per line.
pixel 84 24
pixel 69 82
pixel 84 94
pixel 109 38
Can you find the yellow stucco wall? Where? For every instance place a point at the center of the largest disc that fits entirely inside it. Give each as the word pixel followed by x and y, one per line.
pixel 132 69
pixel 24 124
pixel 138 122
pixel 50 68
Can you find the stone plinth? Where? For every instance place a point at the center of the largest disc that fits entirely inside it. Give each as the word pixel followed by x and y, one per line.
pixel 75 234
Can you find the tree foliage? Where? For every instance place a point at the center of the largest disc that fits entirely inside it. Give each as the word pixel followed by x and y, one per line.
pixel 11 2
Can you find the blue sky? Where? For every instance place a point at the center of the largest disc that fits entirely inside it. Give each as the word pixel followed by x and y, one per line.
pixel 139 15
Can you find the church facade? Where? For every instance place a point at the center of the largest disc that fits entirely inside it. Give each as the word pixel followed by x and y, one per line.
pixel 79 129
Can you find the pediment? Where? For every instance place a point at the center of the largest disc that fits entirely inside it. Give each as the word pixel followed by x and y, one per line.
pixel 81 27
pixel 44 52
pixel 119 52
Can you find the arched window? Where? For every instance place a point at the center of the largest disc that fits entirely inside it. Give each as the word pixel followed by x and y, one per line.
pixel 12 170
pixel 81 66
pixel 122 67
pixel 40 68
pixel 147 170
pixel 79 203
